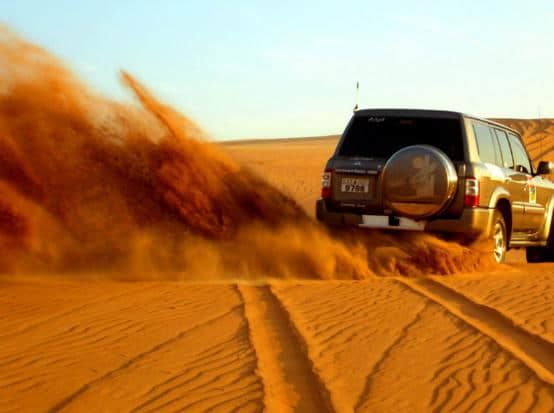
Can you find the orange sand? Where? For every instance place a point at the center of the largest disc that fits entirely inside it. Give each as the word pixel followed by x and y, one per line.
pixel 90 184
pixel 484 344
pixel 373 345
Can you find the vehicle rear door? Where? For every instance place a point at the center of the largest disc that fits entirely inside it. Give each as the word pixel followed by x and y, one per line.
pixel 354 183
pixel 534 210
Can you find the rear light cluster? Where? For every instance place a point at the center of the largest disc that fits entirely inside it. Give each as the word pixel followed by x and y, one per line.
pixel 471 198
pixel 326 183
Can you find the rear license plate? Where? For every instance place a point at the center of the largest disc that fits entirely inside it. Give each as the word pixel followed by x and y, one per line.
pixel 358 185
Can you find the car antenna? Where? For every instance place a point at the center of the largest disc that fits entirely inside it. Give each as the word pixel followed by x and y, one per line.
pixel 540 140
pixel 357 95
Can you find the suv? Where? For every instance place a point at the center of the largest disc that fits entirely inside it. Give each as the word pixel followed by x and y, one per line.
pixel 439 171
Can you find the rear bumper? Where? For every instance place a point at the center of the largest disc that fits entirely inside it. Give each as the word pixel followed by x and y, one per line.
pixel 474 221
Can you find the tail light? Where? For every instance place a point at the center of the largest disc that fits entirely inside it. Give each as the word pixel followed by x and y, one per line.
pixel 471 198
pixel 326 183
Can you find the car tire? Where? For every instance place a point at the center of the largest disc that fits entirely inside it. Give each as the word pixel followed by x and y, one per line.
pixel 537 254
pixel 499 237
pixel 541 254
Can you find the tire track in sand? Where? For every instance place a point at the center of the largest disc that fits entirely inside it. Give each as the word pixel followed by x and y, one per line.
pixel 534 351
pixel 287 373
pixel 348 326
pixel 525 298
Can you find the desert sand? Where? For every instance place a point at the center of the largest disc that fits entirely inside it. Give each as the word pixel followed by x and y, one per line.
pixel 235 299
pixel 463 342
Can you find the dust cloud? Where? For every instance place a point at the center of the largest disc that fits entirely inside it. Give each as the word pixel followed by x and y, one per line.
pixel 135 191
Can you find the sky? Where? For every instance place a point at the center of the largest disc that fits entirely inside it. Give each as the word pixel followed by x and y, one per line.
pixel 257 69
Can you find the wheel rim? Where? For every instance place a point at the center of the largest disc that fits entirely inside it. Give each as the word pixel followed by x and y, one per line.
pixel 499 242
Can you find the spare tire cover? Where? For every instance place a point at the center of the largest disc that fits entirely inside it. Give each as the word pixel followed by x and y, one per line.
pixel 418 181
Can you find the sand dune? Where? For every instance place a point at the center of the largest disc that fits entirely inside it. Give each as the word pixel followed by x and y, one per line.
pixel 537 134
pixel 278 161
pixel 143 346
pixel 262 339
pixel 375 345
pixel 478 342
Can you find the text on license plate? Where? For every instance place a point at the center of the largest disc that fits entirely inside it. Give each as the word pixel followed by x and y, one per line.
pixel 354 185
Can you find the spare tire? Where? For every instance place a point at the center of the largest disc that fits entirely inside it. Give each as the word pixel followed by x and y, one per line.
pixel 419 181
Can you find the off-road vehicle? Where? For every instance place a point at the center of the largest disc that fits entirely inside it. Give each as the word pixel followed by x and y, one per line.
pixel 439 171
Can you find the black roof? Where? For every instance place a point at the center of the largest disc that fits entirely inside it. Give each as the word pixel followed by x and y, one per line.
pixel 445 114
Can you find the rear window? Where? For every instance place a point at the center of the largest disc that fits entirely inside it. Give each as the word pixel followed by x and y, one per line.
pixel 382 136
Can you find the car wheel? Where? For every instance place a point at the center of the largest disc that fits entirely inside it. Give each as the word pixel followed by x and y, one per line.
pixel 500 238
pixel 536 254
pixel 542 254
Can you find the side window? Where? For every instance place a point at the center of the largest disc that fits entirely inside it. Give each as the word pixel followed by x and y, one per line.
pixel 521 160
pixel 507 160
pixel 485 144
